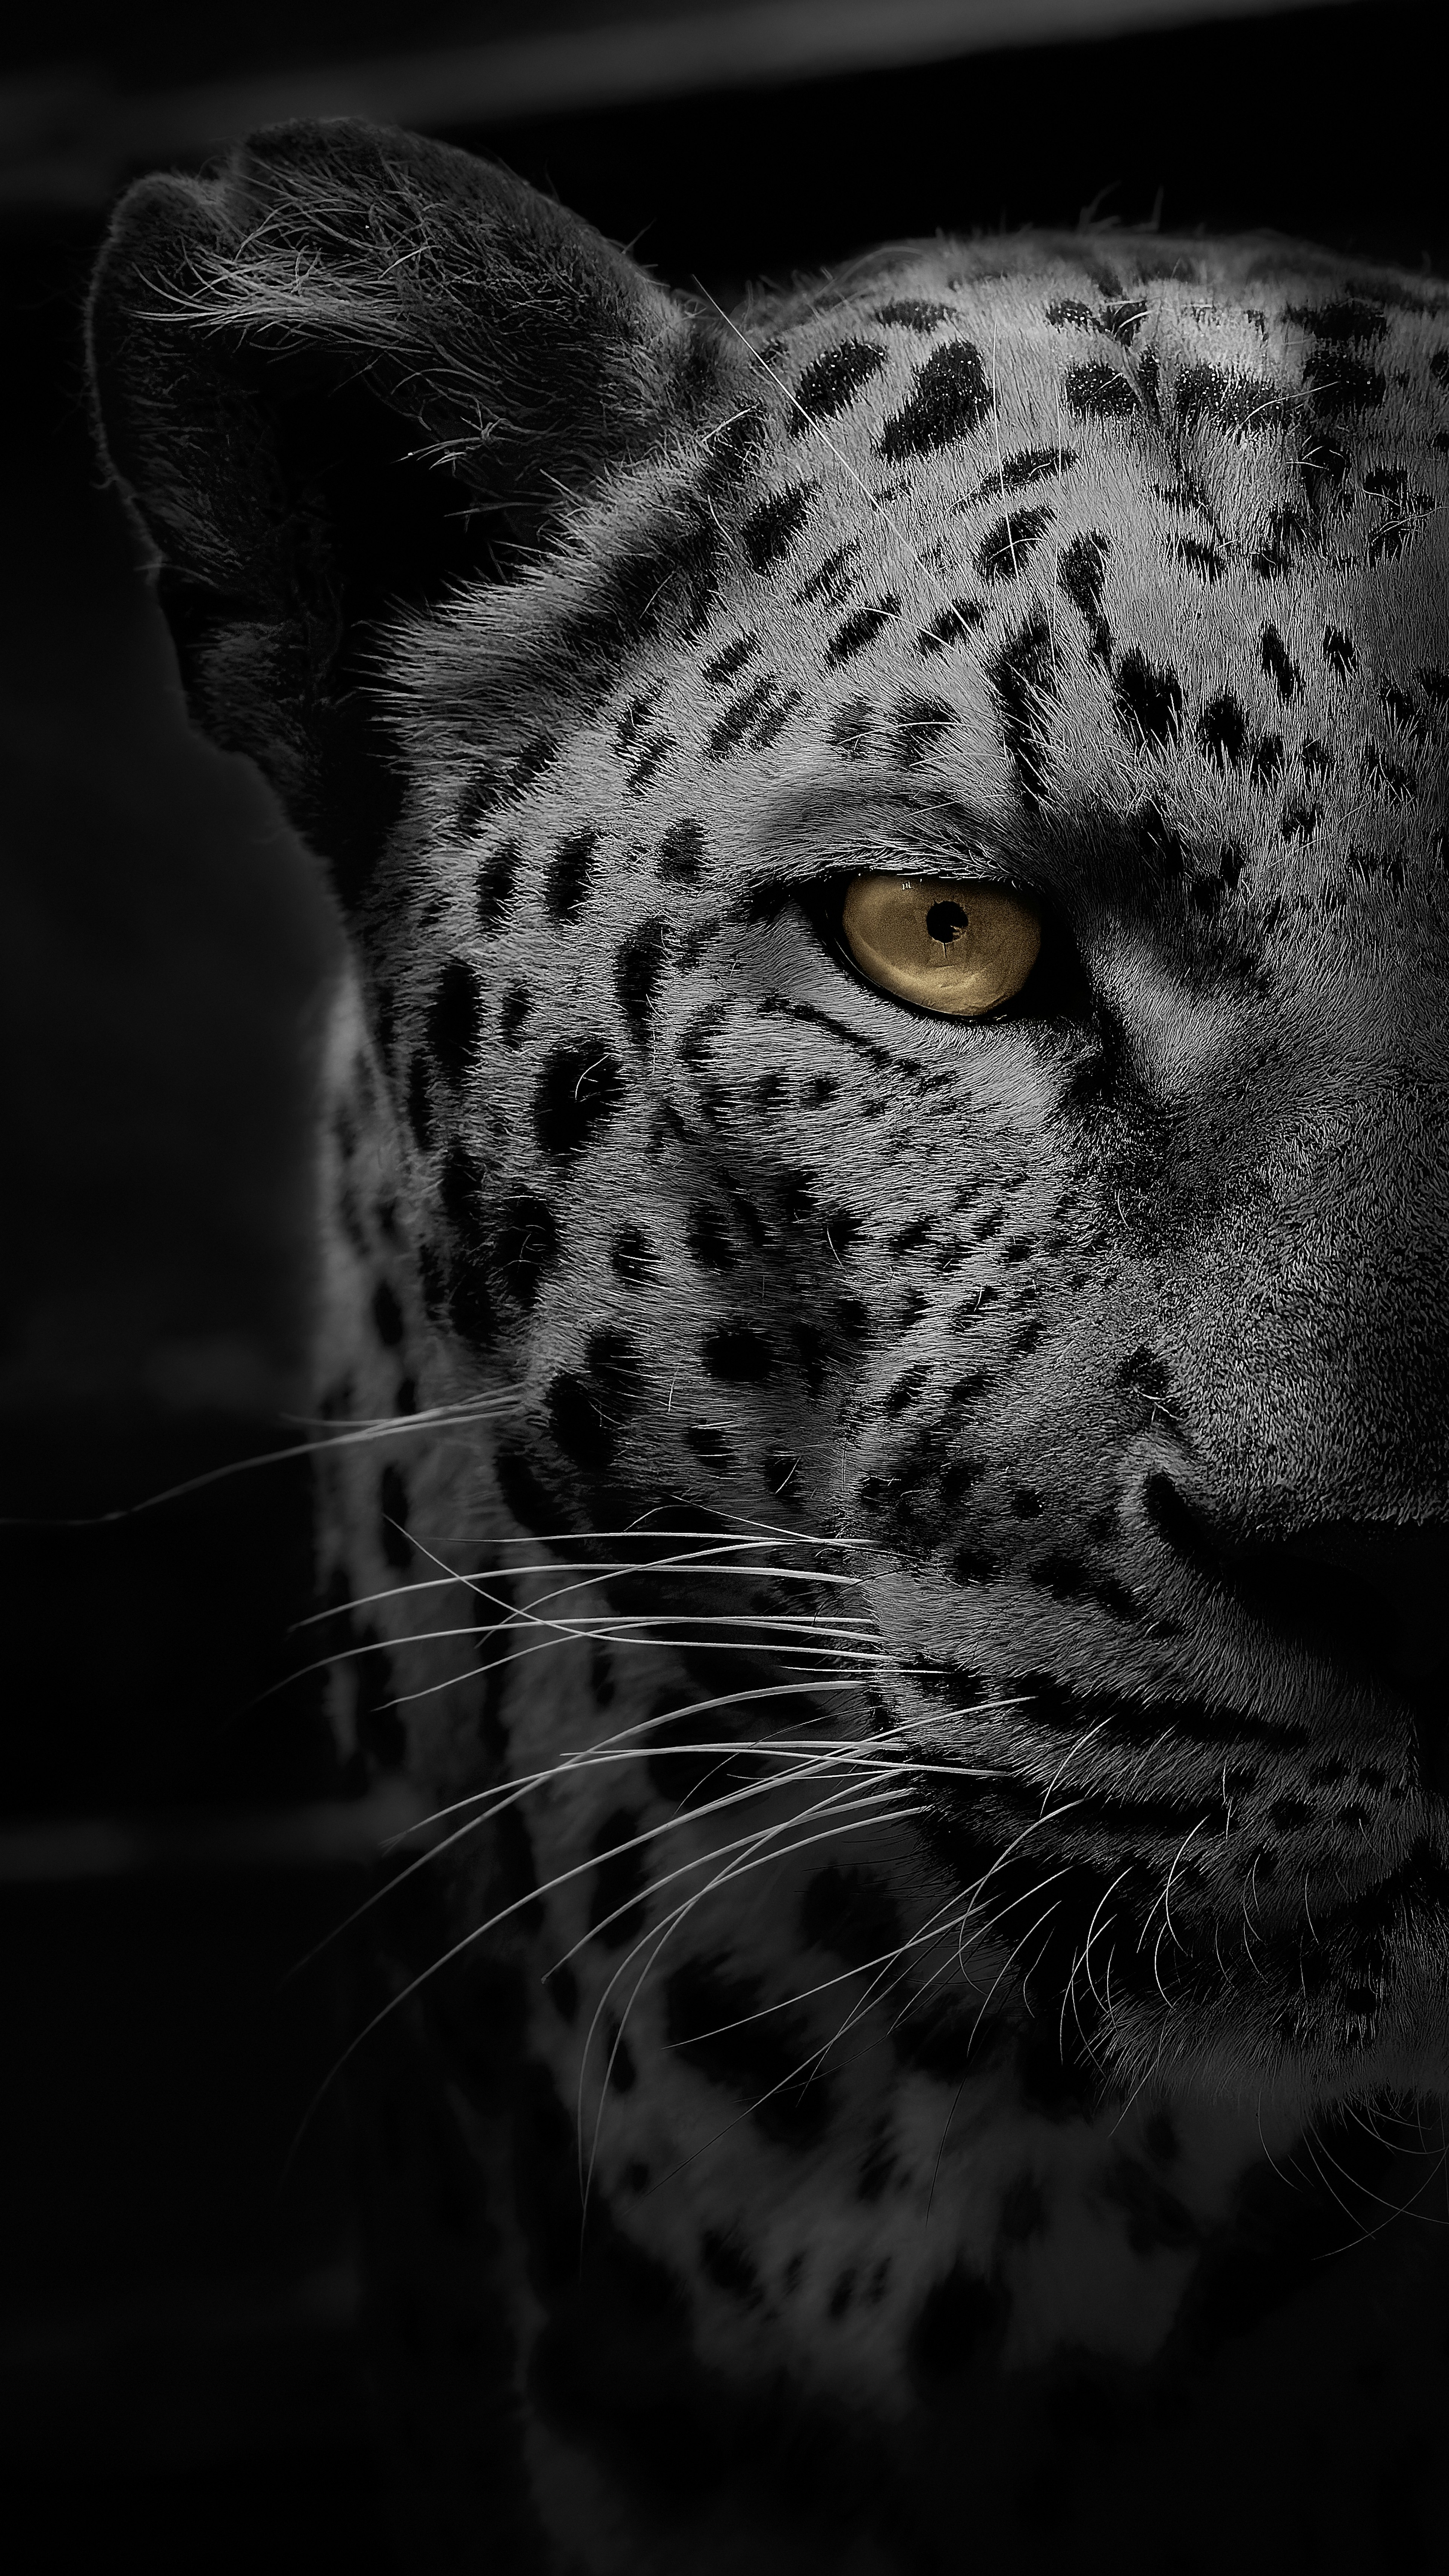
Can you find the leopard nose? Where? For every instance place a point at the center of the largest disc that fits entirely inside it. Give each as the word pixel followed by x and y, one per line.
pixel 1373 1595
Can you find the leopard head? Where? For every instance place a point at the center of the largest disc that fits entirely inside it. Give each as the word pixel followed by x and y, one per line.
pixel 897 854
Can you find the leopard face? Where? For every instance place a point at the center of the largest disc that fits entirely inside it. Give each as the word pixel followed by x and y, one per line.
pixel 1100 1332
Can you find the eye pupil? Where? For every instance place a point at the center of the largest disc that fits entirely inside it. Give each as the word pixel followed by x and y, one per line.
pixel 944 921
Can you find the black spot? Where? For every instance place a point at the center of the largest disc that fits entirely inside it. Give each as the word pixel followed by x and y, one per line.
pixel 1402 715
pixel 909 1385
pixel 951 397
pixel 1340 384
pixel 714 2022
pixel 1267 759
pixel 1023 677
pixel 1288 533
pixel 1388 542
pixel 730 659
pixel 1222 729
pixel 495 885
pixel 834 579
pixel 1064 1576
pixel 912 314
pixel 1149 703
pixel 1065 314
pixel 708 1237
pixel 1004 549
pixel 637 970
pixel 634 718
pixel 749 715
pixel 776 717
pixel 522 1492
pixel 653 753
pixel 856 631
pixel 387 1315
pixel 1316 757
pixel 1204 560
pixel 419 1102
pixel 952 626
pixel 1027 465
pixel 1299 822
pixel 1228 397
pixel 735 1354
pixel 774 526
pixel 621 1880
pixel 1281 670
pixel 916 726
pixel 1096 391
pixel 1338 651
pixel 568 877
pixel 1080 575
pixel 681 851
pixel 513 1011
pixel 1348 317
pixel 954 2322
pixel 525 1245
pixel 453 1018
pixel 849 1911
pixel 1124 320
pixel 579 1089
pixel 632 1257
pixel 725 2262
pixel 470 1304
pixel 830 382
pixel 841 2294
pixel 1145 1371
pixel 1389 777
pixel 582 1430
pixel 397 1547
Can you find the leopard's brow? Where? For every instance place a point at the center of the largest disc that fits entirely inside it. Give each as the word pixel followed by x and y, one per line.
pixel 809 825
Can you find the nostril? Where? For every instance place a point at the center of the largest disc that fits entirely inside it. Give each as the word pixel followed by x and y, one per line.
pixel 1373 1595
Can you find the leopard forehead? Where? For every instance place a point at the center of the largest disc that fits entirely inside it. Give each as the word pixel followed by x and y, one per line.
pixel 1000 525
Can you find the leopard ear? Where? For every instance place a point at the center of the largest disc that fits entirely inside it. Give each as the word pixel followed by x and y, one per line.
pixel 348 372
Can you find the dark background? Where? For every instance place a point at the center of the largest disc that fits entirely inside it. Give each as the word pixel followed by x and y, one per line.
pixel 180 2366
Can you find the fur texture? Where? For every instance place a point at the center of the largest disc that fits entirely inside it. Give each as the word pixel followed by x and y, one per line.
pixel 918 1545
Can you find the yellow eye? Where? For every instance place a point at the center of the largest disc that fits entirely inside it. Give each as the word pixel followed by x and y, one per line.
pixel 950 947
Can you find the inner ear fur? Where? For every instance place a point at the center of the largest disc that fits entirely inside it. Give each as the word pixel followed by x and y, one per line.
pixel 348 373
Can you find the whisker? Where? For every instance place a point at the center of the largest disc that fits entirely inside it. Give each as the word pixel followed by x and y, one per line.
pixel 386 1427
pixel 872 1812
pixel 609 1572
pixel 456 1950
pixel 487 1804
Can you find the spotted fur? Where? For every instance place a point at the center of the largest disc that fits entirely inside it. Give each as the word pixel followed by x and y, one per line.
pixel 909 1554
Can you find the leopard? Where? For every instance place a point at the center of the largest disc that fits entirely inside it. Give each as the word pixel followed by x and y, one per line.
pixel 881 1328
